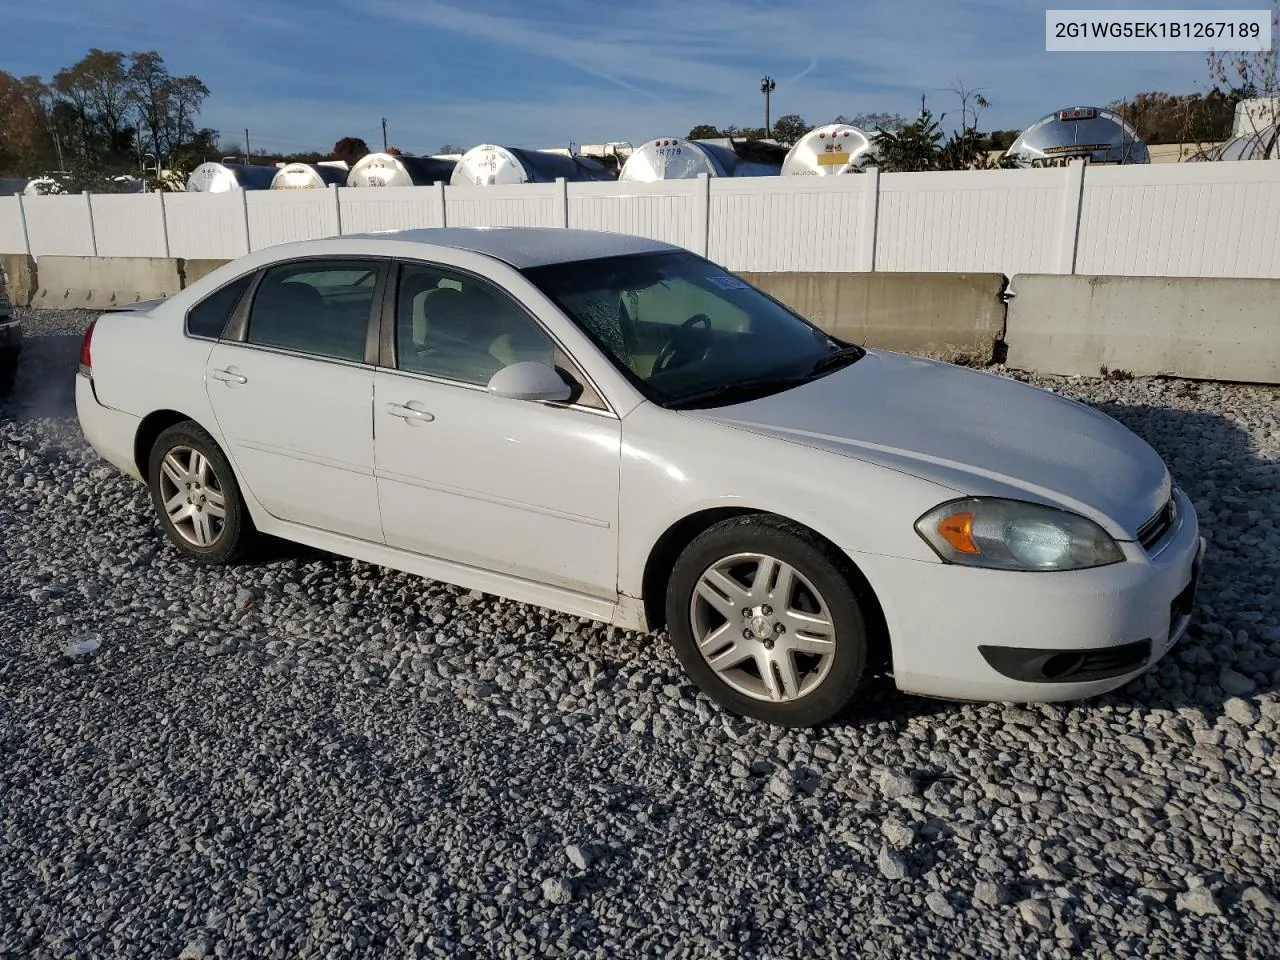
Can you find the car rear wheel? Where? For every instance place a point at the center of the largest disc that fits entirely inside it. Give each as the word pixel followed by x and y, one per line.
pixel 765 622
pixel 196 497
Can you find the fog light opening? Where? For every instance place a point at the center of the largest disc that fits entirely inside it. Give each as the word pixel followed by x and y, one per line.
pixel 1062 665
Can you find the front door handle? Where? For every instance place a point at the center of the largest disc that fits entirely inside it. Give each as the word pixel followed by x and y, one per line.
pixel 408 412
pixel 229 376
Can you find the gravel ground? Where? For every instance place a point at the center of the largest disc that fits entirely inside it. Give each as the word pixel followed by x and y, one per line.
pixel 313 757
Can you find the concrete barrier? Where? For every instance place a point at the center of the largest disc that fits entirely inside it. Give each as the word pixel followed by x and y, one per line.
pixel 956 316
pixel 193 270
pixel 95 283
pixel 1202 328
pixel 20 271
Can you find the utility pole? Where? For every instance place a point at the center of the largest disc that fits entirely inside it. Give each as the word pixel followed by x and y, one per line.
pixel 384 134
pixel 767 86
pixel 922 106
pixel 247 152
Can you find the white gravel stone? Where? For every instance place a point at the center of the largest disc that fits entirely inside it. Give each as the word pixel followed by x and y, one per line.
pixel 895 784
pixel 892 866
pixel 371 764
pixel 1241 711
pixel 578 856
pixel 988 894
pixel 555 890
pixel 1036 914
pixel 1198 900
pixel 899 835
pixel 1261 900
pixel 939 905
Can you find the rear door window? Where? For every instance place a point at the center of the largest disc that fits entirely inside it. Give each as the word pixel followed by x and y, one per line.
pixel 320 308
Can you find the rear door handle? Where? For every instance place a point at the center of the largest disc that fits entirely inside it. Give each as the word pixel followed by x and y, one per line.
pixel 408 412
pixel 229 376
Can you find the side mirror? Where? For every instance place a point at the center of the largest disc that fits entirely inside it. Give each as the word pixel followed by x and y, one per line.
pixel 529 380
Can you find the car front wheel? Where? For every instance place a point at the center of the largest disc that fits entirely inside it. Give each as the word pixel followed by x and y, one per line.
pixel 196 497
pixel 765 621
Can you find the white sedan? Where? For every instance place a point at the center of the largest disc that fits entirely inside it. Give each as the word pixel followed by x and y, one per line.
pixel 619 429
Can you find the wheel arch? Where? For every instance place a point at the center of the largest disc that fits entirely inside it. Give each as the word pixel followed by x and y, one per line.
pixel 672 542
pixel 152 425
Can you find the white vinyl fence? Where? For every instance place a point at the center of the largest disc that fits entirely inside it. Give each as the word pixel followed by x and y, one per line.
pixel 1187 219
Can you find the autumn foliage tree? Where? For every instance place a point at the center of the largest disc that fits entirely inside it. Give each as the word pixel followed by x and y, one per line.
pixel 99 116
pixel 350 150
pixel 24 137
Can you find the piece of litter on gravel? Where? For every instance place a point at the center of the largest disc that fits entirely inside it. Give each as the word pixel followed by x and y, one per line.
pixel 84 646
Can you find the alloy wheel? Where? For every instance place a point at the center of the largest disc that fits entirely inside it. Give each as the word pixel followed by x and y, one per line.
pixel 192 497
pixel 763 627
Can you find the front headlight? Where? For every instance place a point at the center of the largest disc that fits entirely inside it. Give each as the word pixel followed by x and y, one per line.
pixel 1015 535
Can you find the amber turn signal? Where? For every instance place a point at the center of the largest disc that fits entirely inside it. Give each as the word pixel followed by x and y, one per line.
pixel 957 530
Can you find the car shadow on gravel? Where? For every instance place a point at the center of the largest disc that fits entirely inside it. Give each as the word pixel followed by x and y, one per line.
pixel 1232 648
pixel 46 382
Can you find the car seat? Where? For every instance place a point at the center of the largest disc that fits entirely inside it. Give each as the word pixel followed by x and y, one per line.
pixel 416 288
pixel 283 313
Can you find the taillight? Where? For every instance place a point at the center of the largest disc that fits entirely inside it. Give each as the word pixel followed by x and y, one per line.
pixel 86 361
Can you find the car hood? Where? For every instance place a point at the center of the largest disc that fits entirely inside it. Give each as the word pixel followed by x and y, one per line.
pixel 974 432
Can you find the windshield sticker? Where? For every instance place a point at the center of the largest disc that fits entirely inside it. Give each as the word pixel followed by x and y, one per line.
pixel 729 283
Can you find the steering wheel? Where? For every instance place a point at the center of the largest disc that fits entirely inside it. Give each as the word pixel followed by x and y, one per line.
pixel 675 346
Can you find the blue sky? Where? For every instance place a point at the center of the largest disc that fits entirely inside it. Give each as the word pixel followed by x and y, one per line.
pixel 302 73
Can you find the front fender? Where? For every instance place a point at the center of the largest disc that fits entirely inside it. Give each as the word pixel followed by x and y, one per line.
pixel 674 467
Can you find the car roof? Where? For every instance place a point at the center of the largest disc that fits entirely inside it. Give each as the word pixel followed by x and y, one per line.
pixel 524 247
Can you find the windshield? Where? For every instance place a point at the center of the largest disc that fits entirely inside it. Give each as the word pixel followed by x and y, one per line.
pixel 685 330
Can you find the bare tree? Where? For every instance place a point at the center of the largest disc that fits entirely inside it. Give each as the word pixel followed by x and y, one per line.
pixel 183 98
pixel 965 148
pixel 97 88
pixel 1253 75
pixel 149 92
pixel 872 122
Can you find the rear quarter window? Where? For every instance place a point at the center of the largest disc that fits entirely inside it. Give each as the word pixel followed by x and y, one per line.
pixel 208 318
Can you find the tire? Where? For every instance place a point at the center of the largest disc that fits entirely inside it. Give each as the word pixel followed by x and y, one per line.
pixel 197 459
pixel 824 675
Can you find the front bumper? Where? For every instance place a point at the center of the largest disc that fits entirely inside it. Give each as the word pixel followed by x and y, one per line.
pixel 969 634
